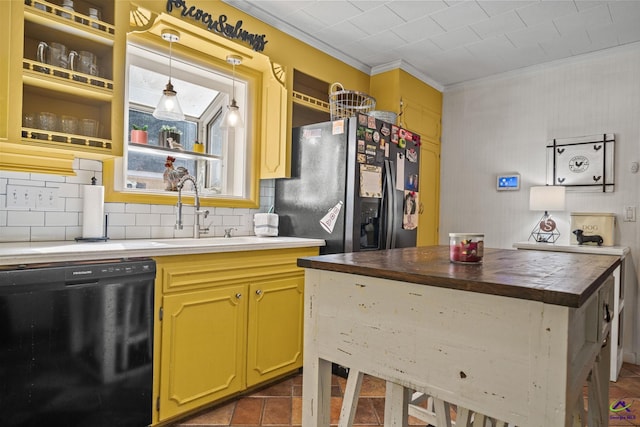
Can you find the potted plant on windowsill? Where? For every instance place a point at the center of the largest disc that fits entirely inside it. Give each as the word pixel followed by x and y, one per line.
pixel 139 134
pixel 170 137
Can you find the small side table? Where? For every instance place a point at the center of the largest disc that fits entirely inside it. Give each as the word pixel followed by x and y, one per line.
pixel 618 301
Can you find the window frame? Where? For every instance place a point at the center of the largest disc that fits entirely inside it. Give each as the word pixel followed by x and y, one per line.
pixel 113 172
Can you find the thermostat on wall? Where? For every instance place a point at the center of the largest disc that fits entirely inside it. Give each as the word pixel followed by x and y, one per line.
pixel 508 181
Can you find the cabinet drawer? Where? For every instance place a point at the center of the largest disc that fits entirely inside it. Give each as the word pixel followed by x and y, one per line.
pixel 181 273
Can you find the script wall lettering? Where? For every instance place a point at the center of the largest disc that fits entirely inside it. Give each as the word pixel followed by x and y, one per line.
pixel 219 24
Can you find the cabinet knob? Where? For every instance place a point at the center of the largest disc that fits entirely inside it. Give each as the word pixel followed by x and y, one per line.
pixel 238 295
pixel 259 292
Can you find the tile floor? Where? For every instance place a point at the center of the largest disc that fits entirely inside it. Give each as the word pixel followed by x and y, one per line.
pixel 280 404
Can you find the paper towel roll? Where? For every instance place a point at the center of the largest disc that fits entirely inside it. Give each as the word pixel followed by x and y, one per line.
pixel 93 212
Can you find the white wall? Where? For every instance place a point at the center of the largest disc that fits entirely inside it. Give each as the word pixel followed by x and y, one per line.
pixel 62 220
pixel 502 124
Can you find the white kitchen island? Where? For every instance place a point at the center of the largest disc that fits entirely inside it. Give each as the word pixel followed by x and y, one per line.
pixel 514 339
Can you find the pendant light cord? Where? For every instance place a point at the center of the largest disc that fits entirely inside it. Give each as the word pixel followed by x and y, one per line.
pixel 233 84
pixel 170 44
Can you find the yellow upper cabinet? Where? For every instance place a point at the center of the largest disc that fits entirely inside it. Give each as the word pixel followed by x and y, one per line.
pixel 418 105
pixel 63 84
pixel 5 52
pixel 419 109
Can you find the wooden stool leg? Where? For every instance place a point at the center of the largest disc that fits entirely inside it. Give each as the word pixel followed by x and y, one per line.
pixel 350 399
pixel 443 414
pixel 396 405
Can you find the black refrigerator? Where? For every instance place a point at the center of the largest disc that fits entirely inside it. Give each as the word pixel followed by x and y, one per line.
pixel 354 183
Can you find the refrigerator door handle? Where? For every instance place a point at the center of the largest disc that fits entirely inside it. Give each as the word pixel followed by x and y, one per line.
pixel 390 222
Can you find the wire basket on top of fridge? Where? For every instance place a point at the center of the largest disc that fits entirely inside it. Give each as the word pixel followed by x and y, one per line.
pixel 347 103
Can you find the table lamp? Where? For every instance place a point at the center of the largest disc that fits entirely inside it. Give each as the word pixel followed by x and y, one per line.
pixel 546 198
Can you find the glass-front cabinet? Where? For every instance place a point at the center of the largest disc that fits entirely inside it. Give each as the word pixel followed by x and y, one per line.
pixel 66 97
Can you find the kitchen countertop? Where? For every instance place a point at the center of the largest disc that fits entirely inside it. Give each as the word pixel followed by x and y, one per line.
pixel 559 278
pixel 585 249
pixel 16 253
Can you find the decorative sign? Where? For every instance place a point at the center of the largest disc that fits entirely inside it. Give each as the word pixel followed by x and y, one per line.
pixel 585 163
pixel 219 25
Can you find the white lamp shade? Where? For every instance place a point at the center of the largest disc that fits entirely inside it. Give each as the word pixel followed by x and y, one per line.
pixel 547 198
pixel 168 107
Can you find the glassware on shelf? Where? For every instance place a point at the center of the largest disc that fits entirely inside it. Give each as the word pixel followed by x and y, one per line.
pixel 52 53
pixel 89 127
pixel 29 120
pixel 67 5
pixel 94 13
pixel 69 124
pixel 48 121
pixel 83 61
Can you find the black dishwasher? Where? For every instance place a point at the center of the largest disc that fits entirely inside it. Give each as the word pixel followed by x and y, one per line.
pixel 76 344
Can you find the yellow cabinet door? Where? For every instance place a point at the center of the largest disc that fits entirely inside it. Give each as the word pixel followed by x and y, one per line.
pixel 203 348
pixel 275 328
pixel 429 213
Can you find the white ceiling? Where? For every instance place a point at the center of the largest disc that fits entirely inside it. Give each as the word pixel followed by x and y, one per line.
pixel 451 41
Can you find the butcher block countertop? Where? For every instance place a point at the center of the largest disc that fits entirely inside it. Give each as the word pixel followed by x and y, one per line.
pixel 565 279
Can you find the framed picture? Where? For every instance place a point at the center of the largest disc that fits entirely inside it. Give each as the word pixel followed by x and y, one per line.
pixel 582 163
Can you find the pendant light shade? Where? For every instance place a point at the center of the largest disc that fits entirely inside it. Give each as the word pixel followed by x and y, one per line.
pixel 232 117
pixel 169 108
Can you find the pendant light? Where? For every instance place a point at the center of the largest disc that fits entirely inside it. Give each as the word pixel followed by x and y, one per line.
pixel 232 117
pixel 169 108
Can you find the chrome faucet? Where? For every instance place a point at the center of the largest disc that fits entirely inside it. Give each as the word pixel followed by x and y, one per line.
pixel 197 230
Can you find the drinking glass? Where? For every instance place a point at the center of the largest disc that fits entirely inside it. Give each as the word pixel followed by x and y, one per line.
pixel 69 124
pixel 53 53
pixel 29 120
pixel 89 127
pixel 47 121
pixel 84 62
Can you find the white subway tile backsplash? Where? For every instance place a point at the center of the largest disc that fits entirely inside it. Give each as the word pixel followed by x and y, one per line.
pixel 120 219
pixel 45 234
pixel 168 220
pixel 161 232
pixel 83 177
pixel 114 207
pixel 26 183
pixel 163 209
pixel 133 232
pixel 72 232
pixel 25 219
pixel 137 208
pixel 213 220
pixel 53 219
pixel 61 218
pixel 15 175
pixel 92 165
pixel 224 211
pixel 15 234
pixel 47 178
pixel 147 219
pixel 231 220
pixel 69 190
pixel 72 204
pixel 116 232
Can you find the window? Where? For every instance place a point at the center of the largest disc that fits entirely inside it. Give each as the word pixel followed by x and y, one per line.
pixel 222 167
